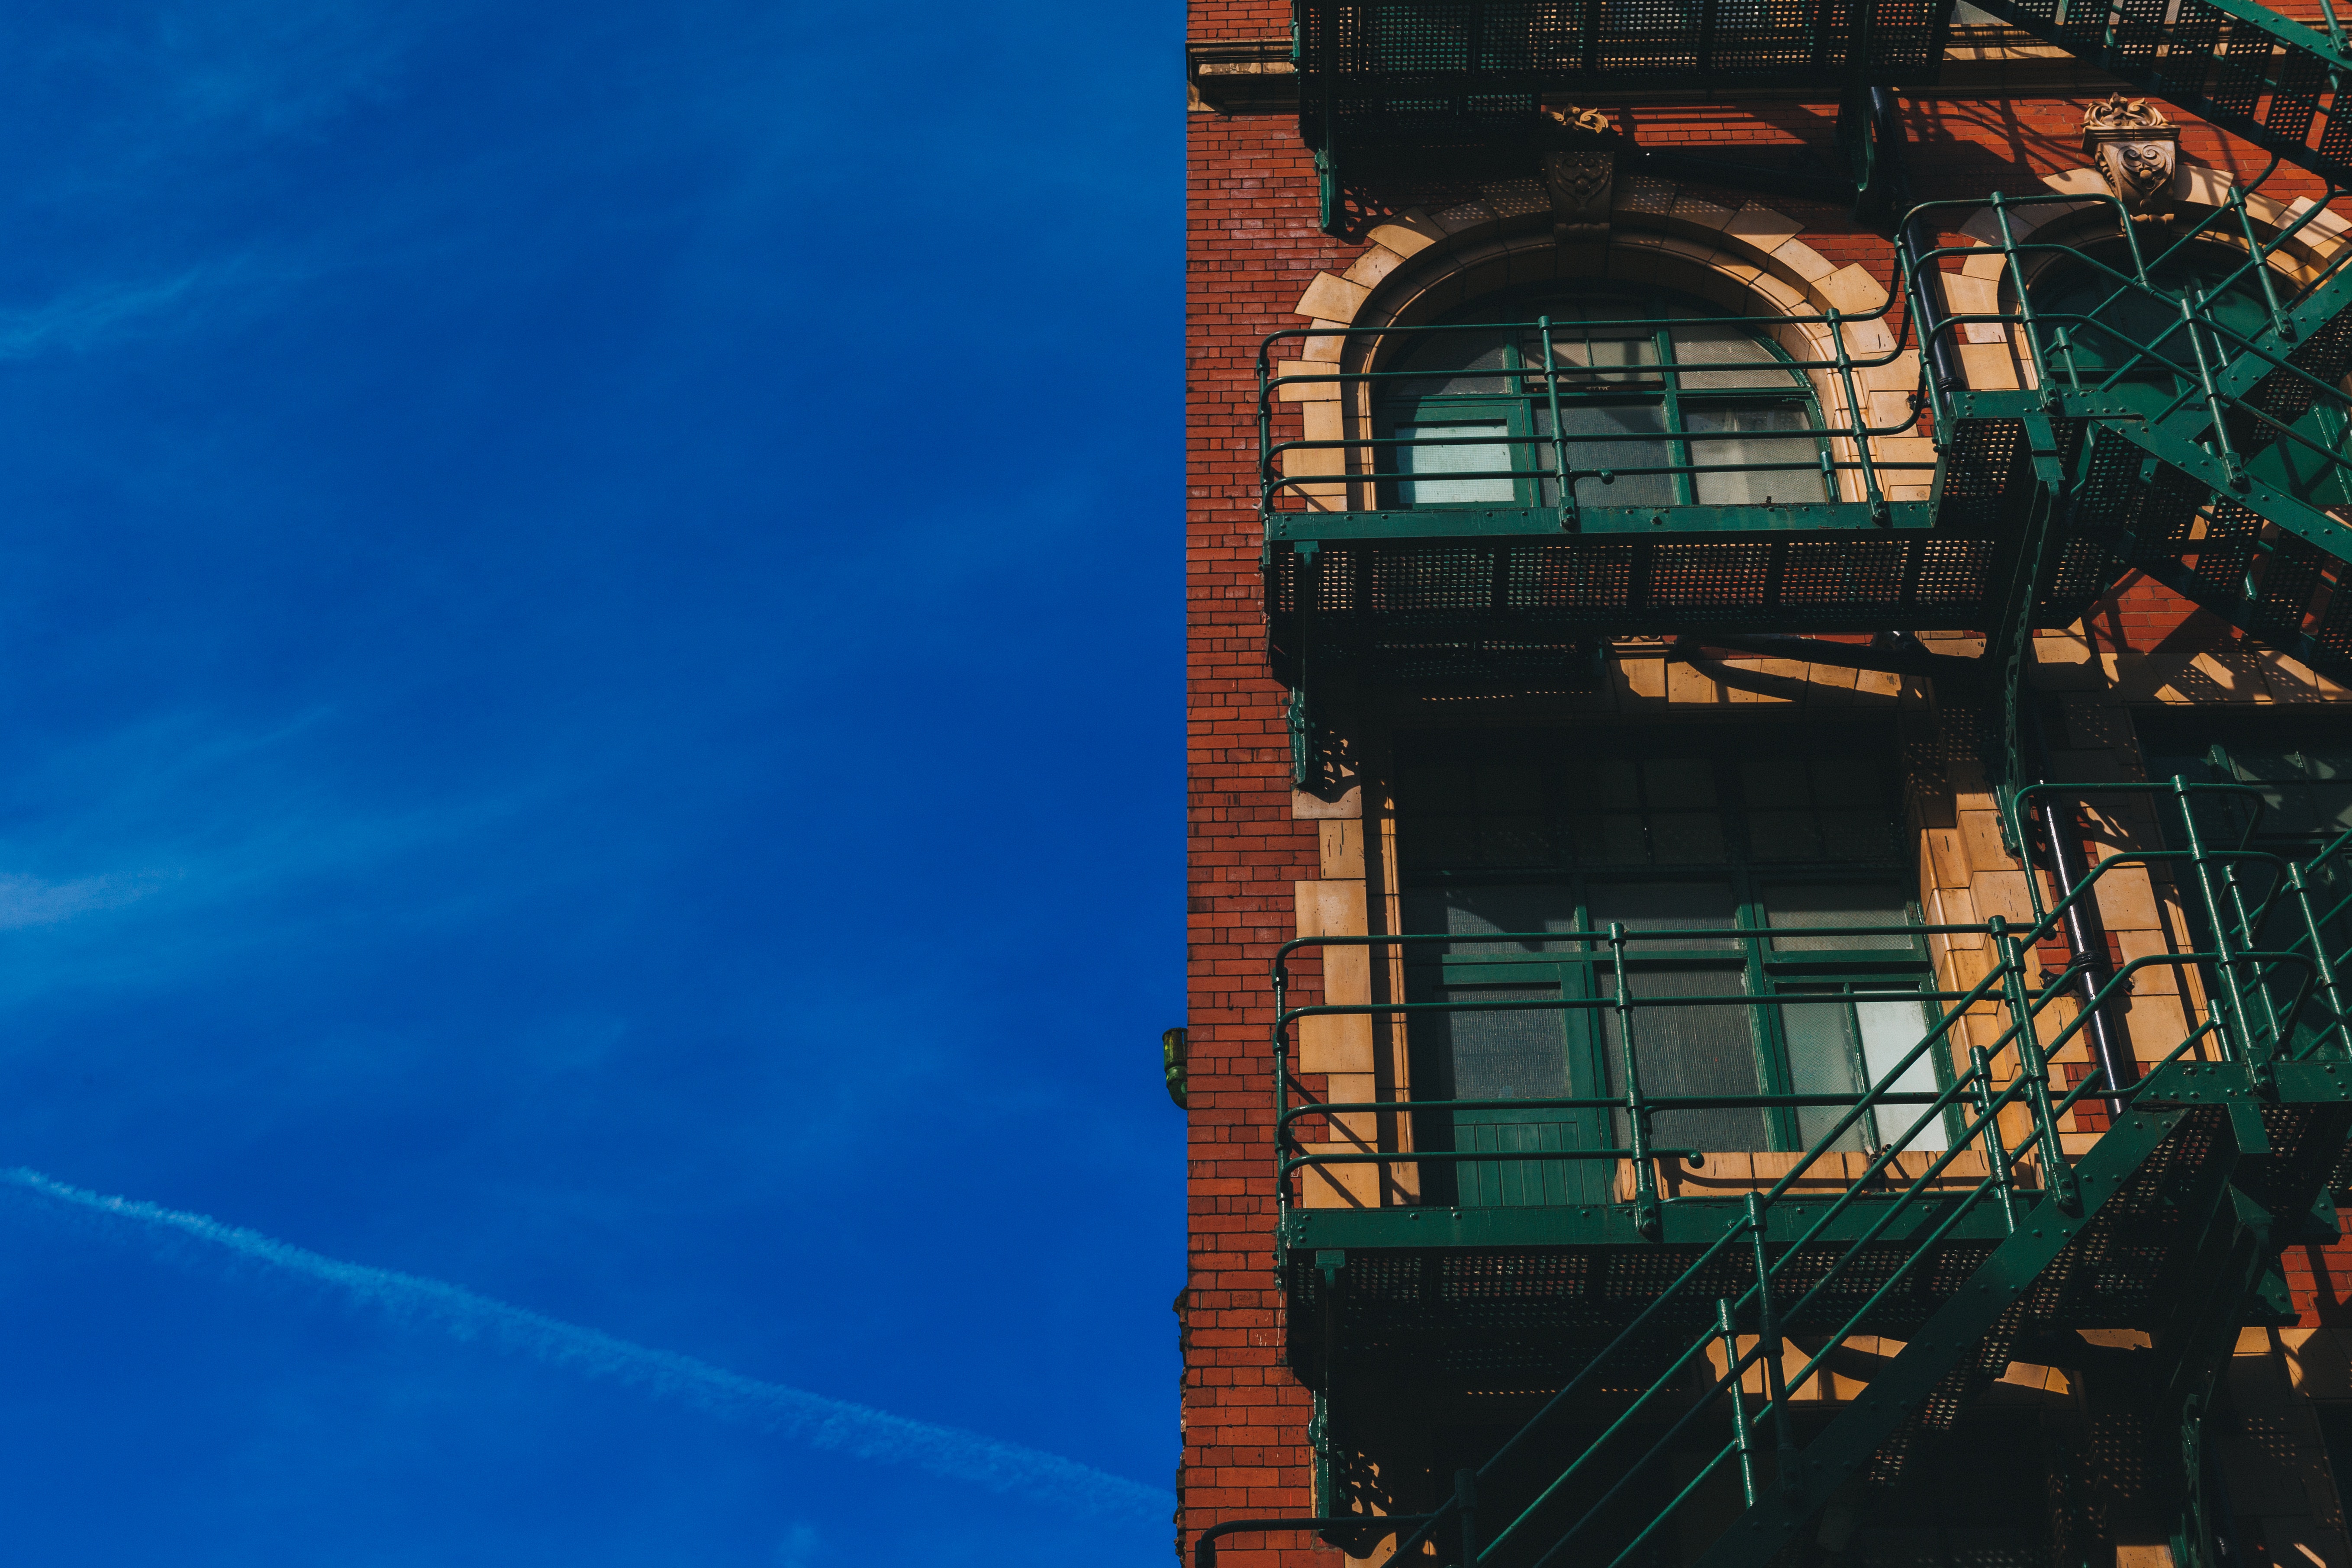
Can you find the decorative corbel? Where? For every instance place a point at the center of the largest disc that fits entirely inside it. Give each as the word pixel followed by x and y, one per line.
pixel 1579 170
pixel 2133 147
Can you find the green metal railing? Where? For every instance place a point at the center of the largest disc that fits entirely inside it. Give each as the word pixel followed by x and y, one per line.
pixel 2200 382
pixel 2265 1005
pixel 1546 461
pixel 2186 417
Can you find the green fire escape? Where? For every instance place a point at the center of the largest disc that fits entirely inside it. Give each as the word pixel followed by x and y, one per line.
pixel 2182 419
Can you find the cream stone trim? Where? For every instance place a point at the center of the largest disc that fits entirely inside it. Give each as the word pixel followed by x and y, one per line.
pixel 1747 259
pixel 1985 283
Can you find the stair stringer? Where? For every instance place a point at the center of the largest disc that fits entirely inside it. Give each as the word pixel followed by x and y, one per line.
pixel 1953 1343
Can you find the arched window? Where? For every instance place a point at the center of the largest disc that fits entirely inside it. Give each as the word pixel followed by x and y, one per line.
pixel 1677 405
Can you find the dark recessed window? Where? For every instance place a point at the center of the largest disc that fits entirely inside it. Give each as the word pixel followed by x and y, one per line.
pixel 1740 841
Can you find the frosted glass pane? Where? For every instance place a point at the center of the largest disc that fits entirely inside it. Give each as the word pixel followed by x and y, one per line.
pixel 1611 355
pixel 1797 906
pixel 1499 1057
pixel 1607 436
pixel 1890 1027
pixel 1453 362
pixel 1747 361
pixel 1518 1052
pixel 1755 444
pixel 1467 458
pixel 1664 906
pixel 1474 912
pixel 1690 1051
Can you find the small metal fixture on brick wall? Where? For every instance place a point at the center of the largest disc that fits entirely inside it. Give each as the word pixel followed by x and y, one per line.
pixel 2134 146
pixel 1172 1044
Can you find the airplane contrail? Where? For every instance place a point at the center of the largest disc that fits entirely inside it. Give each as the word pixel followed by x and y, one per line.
pixel 831 1424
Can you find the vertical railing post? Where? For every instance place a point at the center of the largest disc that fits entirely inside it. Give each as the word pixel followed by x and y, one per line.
pixel 1729 1327
pixel 2299 888
pixel 1465 1504
pixel 2192 306
pixel 2034 1070
pixel 2280 323
pixel 1858 411
pixel 1996 1151
pixel 1768 1340
pixel 1558 436
pixel 1637 1114
pixel 2237 1027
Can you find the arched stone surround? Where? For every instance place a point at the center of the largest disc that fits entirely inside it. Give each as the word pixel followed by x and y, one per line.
pixel 1748 260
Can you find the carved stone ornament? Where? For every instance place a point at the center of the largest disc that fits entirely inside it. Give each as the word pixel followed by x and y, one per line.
pixel 1579 170
pixel 2134 146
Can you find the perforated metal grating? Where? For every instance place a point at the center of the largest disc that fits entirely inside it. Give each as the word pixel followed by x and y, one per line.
pixel 1504 612
pixel 1424 71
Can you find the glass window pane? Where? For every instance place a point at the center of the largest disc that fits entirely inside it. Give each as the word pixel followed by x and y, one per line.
pixel 1518 1053
pixel 1473 911
pixel 1890 1027
pixel 1664 906
pixel 1454 360
pixel 1752 443
pixel 1609 437
pixel 1822 1060
pixel 1600 356
pixel 1491 461
pixel 1508 1054
pixel 1690 1051
pixel 1787 907
pixel 1747 360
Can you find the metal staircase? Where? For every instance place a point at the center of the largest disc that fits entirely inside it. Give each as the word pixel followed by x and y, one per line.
pixel 2210 456
pixel 1690 1342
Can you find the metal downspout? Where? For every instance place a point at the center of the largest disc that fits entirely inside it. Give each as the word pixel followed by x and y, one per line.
pixel 1943 355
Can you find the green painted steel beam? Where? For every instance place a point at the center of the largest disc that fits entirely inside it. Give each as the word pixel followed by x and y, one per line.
pixel 1688 1222
pixel 1716 524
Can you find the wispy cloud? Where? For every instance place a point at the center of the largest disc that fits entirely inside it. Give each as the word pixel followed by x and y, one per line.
pixel 88 317
pixel 27 901
pixel 812 1418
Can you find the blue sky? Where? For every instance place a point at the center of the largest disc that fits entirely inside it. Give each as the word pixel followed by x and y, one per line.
pixel 589 710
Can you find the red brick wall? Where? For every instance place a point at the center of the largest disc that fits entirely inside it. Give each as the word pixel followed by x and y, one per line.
pixel 1252 248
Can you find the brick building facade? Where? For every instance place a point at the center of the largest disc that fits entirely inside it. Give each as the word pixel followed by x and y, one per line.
pixel 1623 723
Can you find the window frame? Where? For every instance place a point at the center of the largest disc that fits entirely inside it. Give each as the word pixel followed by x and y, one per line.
pixel 1747 956
pixel 1519 411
